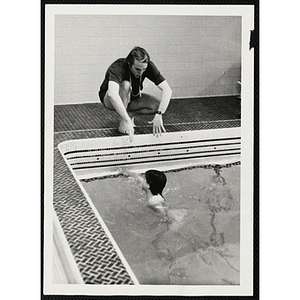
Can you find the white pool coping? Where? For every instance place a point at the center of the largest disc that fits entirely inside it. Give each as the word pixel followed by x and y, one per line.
pixel 166 152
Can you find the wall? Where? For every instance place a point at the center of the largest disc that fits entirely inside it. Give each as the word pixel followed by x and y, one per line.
pixel 198 55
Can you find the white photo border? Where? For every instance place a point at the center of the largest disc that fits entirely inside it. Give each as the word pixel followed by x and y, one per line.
pixel 247 168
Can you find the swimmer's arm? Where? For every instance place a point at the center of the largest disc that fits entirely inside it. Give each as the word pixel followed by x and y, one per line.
pixel 127 172
pixel 137 177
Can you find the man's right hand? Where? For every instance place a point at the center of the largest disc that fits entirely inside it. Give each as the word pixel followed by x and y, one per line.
pixel 127 127
pixel 130 130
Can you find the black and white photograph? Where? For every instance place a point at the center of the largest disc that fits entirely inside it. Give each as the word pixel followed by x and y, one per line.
pixel 148 150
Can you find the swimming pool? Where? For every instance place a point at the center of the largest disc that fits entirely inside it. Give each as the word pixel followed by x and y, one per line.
pixel 102 157
pixel 200 246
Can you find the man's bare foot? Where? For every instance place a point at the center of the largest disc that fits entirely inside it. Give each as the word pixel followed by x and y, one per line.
pixel 127 128
pixel 124 127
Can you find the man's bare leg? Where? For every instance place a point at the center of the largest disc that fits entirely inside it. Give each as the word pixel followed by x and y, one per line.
pixel 125 93
pixel 144 105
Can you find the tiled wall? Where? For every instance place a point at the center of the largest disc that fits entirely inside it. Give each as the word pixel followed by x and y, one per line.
pixel 198 55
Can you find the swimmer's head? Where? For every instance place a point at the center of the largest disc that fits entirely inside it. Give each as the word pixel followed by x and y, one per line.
pixel 156 180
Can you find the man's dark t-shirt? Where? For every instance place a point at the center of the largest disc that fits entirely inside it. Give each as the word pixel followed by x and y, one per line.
pixel 119 71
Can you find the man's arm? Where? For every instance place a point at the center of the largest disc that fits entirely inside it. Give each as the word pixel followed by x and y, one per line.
pixel 166 96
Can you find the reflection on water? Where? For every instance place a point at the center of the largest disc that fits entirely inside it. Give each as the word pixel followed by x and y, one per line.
pixel 217 197
pixel 199 246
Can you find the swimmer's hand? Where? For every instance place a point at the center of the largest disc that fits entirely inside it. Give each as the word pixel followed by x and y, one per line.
pixel 158 125
pixel 124 171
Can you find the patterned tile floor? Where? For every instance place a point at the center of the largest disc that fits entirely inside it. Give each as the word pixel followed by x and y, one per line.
pixel 94 254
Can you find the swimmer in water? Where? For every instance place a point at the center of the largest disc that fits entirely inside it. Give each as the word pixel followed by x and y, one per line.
pixel 153 184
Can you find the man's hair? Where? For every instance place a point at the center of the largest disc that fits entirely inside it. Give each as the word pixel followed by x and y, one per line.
pixel 157 181
pixel 139 54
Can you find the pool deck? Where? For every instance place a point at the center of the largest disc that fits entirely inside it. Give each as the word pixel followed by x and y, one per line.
pixel 97 260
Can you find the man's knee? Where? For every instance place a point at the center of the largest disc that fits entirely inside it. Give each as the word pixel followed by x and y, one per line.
pixel 125 86
pixel 155 104
pixel 106 101
pixel 152 101
pixel 146 104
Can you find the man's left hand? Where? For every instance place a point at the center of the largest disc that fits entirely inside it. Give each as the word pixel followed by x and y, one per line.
pixel 158 125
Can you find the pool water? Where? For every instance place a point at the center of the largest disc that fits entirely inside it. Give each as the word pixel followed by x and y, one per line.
pixel 201 245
